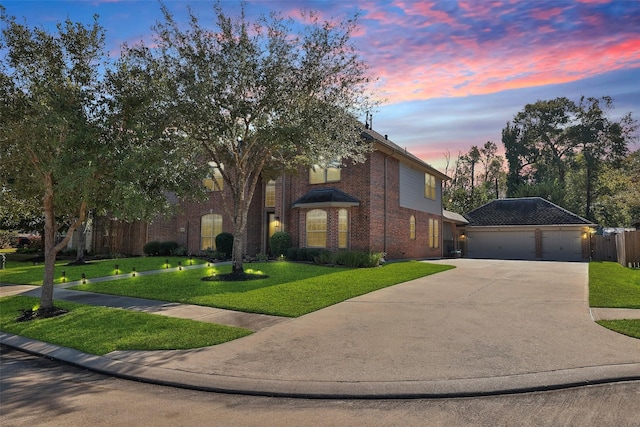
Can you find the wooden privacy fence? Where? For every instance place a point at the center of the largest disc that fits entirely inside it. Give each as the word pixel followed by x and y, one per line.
pixel 603 248
pixel 623 248
pixel 628 248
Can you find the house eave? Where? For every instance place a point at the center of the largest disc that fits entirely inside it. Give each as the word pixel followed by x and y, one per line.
pixel 325 205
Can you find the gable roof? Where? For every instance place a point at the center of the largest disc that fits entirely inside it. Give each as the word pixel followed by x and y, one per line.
pixel 394 150
pixel 523 211
pixel 326 197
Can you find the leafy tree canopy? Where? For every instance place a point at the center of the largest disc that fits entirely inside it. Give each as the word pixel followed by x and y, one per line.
pixel 259 98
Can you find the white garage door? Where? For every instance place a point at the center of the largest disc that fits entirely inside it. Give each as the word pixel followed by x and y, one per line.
pixel 562 245
pixel 501 245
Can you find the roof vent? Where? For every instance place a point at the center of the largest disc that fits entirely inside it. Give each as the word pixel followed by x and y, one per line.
pixel 386 137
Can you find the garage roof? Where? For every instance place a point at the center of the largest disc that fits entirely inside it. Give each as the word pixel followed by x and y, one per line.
pixel 523 211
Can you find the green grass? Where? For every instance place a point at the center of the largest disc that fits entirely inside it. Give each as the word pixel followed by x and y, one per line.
pixel 614 286
pixel 630 327
pixel 100 330
pixel 25 273
pixel 291 289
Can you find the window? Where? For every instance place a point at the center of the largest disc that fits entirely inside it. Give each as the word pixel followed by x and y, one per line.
pixel 316 229
pixel 434 233
pixel 343 228
pixel 412 227
pixel 210 227
pixel 429 186
pixel 270 194
pixel 320 175
pixel 215 181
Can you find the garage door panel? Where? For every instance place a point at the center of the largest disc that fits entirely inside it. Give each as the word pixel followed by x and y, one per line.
pixel 561 245
pixel 501 245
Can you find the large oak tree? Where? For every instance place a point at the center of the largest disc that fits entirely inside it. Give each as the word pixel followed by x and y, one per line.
pixel 69 138
pixel 259 98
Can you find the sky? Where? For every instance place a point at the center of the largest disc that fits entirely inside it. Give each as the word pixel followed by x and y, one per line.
pixel 450 73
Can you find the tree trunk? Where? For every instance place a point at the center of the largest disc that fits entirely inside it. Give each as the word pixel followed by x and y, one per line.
pixel 239 234
pixel 82 242
pixel 50 247
pixel 46 292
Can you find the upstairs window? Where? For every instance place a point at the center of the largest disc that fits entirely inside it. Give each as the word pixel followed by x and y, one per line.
pixel 215 181
pixel 270 194
pixel 429 186
pixel 321 175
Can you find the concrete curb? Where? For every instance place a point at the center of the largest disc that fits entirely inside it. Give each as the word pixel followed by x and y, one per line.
pixel 418 389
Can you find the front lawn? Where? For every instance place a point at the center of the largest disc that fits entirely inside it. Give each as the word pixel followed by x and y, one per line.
pixel 291 290
pixel 101 330
pixel 25 273
pixel 613 286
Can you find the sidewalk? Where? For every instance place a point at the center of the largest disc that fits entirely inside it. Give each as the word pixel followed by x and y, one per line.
pixel 486 327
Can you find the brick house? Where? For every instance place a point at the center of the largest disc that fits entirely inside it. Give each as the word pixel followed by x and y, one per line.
pixel 390 203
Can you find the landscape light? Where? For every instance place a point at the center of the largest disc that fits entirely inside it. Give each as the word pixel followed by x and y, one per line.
pixel 133 271
pixel 179 265
pixel 117 269
pixel 84 279
pixel 166 263
pixel 64 276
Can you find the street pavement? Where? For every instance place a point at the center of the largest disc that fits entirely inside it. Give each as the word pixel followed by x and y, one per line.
pixel 486 327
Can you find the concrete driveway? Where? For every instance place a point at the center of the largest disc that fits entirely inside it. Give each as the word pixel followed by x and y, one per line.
pixel 487 326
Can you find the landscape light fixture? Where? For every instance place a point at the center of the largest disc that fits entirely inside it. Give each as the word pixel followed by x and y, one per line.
pixel 117 270
pixel 180 265
pixel 64 276
pixel 133 272
pixel 190 260
pixel 166 263
pixel 84 279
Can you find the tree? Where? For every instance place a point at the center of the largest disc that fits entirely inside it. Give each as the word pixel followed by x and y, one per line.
pixel 537 144
pixel 550 141
pixel 600 141
pixel 470 188
pixel 65 140
pixel 257 97
pixel 49 98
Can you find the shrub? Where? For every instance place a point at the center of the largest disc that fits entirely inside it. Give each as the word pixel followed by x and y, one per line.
pixel 280 243
pixel 151 248
pixel 167 248
pixel 358 259
pixel 159 248
pixel 324 257
pixel 224 243
pixel 292 254
pixel 179 251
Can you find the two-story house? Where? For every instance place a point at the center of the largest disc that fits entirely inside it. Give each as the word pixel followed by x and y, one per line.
pixel 390 203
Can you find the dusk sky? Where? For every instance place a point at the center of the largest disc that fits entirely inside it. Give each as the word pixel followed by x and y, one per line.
pixel 452 73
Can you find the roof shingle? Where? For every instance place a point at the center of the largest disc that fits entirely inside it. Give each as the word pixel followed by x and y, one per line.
pixel 523 211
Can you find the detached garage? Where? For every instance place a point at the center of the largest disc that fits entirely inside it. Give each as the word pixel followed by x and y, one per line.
pixel 529 228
